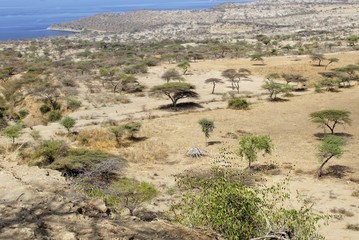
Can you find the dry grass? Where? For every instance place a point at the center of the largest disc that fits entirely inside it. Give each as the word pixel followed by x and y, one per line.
pixel 145 152
pixel 342 211
pixel 97 138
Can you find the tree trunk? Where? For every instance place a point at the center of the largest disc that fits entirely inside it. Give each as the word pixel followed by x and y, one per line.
pixel 214 86
pixel 320 173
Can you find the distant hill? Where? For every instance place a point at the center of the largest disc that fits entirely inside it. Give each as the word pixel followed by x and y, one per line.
pixel 228 20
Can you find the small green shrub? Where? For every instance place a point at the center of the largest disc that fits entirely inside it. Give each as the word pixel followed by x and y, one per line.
pixel 54 116
pixel 238 103
pixel 49 151
pixel 80 160
pixel 133 193
pixel 23 113
pixel 237 211
pixel 12 131
pixel 68 123
pixel 44 109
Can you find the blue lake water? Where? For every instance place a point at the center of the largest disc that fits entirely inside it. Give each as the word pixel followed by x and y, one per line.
pixel 22 19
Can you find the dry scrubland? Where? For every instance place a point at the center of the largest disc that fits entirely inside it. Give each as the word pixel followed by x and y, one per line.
pixel 170 134
pixel 61 184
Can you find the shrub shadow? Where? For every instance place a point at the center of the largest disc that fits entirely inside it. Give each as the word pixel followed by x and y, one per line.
pixel 210 143
pixel 320 136
pixel 181 106
pixel 337 171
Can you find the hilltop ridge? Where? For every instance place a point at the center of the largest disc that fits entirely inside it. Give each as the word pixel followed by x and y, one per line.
pixel 227 20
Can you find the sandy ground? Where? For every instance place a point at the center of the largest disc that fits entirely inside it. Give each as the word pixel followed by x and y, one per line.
pixel 171 134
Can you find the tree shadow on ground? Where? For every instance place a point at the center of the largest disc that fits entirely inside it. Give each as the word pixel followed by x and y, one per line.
pixel 320 136
pixel 210 143
pixel 137 139
pixel 270 169
pixel 278 99
pixel 337 171
pixel 181 106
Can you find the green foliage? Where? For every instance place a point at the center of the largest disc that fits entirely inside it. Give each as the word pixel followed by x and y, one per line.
pixel 223 203
pixel 118 132
pixel 250 145
pixel 275 88
pixel 317 57
pixel 330 84
pixel 12 131
pixel 238 103
pixel 132 128
pixel 23 113
pixel 44 109
pixel 49 150
pixel 79 160
pixel 72 103
pixel 68 122
pixel 175 91
pixel 331 118
pixel 207 126
pixel 54 116
pixel 330 146
pixel 257 57
pixel 352 40
pixel 132 193
pixel 172 74
pixel 136 69
pixel 184 65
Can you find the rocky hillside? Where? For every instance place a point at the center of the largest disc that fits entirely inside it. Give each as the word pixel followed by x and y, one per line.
pixel 229 20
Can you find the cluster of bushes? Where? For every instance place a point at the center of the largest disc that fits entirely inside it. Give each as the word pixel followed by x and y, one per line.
pixel 221 201
pixel 238 103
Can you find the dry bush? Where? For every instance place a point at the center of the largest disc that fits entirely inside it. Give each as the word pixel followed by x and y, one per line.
pixel 146 152
pixel 354 227
pixel 96 138
pixel 342 211
pixel 355 193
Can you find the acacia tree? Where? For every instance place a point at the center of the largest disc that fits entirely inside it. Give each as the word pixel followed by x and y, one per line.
pixel 295 78
pixel 331 60
pixel 250 145
pixel 175 91
pixel 331 146
pixel 68 123
pixel 207 126
pixel 171 74
pixel 275 88
pixel 231 74
pixel 214 81
pixel 184 65
pixel 317 57
pixel 331 118
pixel 13 132
pixel 257 57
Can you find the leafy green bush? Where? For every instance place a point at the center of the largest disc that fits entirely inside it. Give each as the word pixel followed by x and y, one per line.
pixel 133 193
pixel 135 69
pixel 23 113
pixel 50 150
pixel 238 103
pixel 237 211
pixel 12 131
pixel 80 160
pixel 68 122
pixel 54 116
pixel 44 109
